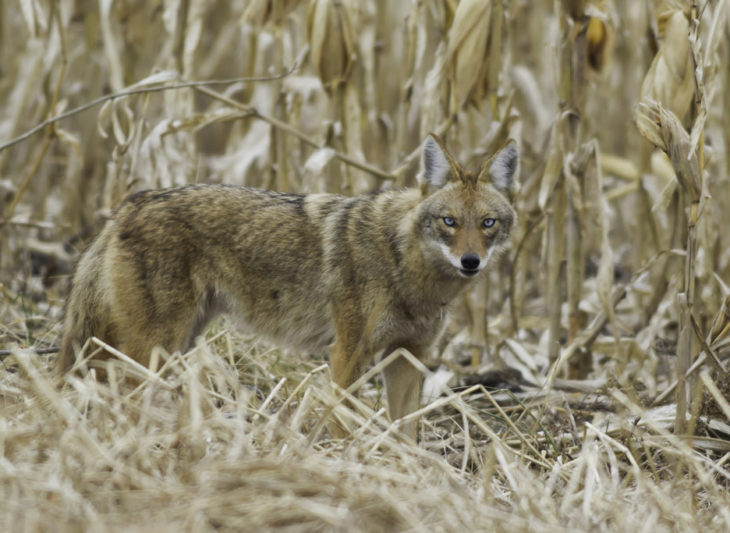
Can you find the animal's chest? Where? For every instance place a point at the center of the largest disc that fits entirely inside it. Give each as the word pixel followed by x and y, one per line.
pixel 404 325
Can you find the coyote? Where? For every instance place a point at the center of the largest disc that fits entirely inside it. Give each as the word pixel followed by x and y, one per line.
pixel 365 274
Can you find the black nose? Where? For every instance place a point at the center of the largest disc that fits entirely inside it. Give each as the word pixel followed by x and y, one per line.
pixel 470 261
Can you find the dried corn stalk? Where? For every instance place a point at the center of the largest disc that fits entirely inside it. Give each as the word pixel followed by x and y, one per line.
pixel 331 40
pixel 662 127
pixel 331 35
pixel 272 14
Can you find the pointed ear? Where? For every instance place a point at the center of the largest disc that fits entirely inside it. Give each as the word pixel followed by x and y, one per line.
pixel 502 167
pixel 437 164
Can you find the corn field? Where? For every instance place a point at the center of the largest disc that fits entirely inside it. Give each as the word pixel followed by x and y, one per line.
pixel 581 386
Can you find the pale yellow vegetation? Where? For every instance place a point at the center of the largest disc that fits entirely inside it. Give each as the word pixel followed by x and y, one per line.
pixel 613 304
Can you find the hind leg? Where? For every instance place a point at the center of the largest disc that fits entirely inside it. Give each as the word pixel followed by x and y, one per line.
pixel 80 325
pixel 140 323
pixel 170 332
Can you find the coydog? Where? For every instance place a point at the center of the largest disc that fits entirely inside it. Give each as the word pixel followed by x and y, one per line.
pixel 367 274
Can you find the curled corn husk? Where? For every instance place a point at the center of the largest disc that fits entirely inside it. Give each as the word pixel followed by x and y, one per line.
pixel 467 53
pixel 661 167
pixel 662 128
pixel 670 80
pixel 331 42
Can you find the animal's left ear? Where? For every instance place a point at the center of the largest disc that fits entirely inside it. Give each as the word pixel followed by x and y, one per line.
pixel 501 168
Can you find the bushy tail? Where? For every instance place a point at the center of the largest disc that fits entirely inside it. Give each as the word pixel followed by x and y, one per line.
pixel 78 325
pixel 84 314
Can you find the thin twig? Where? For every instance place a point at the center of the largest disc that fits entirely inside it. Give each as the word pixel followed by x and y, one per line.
pixel 132 92
pixel 283 126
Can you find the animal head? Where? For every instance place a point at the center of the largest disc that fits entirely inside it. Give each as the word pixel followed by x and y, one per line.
pixel 465 217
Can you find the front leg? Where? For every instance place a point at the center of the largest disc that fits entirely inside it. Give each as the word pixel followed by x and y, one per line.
pixel 403 383
pixel 352 351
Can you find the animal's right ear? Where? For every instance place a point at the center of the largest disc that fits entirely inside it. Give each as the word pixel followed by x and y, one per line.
pixel 437 164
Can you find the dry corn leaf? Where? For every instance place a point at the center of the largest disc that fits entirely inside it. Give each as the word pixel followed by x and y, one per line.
pixel 551 175
pixel 102 117
pixel 193 30
pixel 662 127
pixel 620 167
pixel 246 166
pixel 530 100
pixel 28 10
pixel 495 59
pixel 416 38
pixel 157 78
pixel 352 125
pixel 122 124
pixel 701 98
pixel 315 168
pixel 331 42
pixel 670 79
pixel 431 104
pixel 661 167
pixel 259 13
pixel 318 160
pixel 72 140
pixel 714 37
pixel 111 46
pixel 720 328
pixel 467 50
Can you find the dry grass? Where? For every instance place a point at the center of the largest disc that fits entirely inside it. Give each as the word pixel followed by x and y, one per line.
pixel 608 322
pixel 205 450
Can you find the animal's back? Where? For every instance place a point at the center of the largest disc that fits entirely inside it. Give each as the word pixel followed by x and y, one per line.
pixel 169 260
